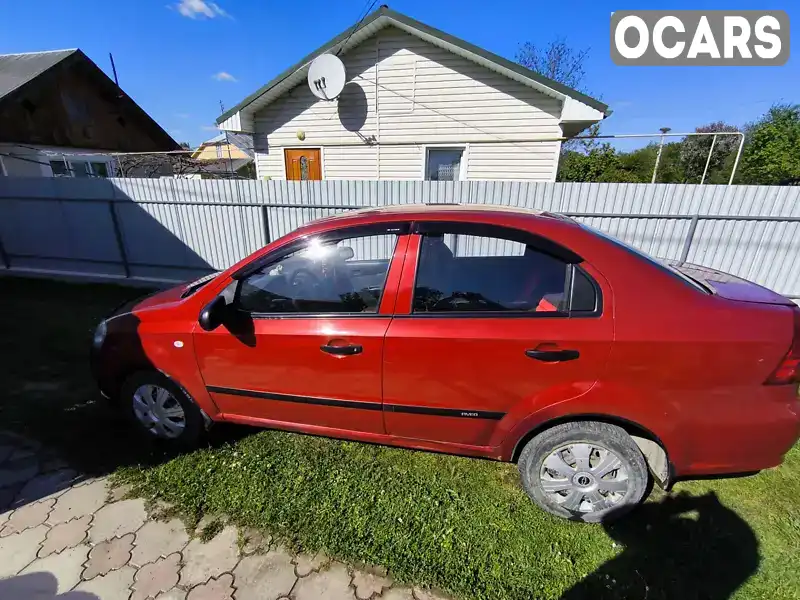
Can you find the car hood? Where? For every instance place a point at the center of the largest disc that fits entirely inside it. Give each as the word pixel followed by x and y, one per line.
pixel 731 287
pixel 162 298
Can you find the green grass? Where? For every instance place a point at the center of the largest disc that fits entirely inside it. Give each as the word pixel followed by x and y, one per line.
pixel 458 524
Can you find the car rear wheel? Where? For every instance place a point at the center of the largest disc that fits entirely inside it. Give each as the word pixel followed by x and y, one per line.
pixel 161 409
pixel 584 471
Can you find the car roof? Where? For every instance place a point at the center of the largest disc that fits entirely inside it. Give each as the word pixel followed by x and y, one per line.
pixel 418 211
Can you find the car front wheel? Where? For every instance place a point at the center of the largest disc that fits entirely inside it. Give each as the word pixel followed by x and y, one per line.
pixel 161 409
pixel 584 471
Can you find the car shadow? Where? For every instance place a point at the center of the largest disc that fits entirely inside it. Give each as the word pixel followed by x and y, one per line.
pixel 680 547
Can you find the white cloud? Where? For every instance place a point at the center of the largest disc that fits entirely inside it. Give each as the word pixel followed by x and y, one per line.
pixel 200 9
pixel 210 128
pixel 223 76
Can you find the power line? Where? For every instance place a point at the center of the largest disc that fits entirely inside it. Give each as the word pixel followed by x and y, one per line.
pixel 355 28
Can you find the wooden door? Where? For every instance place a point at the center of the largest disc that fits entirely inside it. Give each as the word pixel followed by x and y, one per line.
pixel 303 164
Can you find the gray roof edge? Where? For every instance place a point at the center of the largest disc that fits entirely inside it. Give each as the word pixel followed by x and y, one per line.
pixel 64 54
pixel 414 24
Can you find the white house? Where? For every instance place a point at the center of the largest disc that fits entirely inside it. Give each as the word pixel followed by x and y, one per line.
pixel 418 104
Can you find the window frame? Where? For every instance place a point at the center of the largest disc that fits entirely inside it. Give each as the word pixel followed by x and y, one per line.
pixel 537 242
pixel 462 169
pixel 330 236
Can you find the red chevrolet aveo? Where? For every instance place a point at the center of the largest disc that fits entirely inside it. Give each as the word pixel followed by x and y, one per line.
pixel 481 331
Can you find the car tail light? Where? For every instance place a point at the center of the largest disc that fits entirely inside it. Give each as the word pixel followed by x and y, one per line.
pixel 789 369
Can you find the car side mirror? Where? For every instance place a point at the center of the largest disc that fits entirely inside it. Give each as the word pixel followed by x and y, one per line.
pixel 213 314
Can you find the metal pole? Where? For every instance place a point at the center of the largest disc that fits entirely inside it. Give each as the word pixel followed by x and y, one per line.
pixel 708 161
pixel 658 160
pixel 738 158
pixel 687 244
pixel 664 132
pixel 118 235
pixel 265 223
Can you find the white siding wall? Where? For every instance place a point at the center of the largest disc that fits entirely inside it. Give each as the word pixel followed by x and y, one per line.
pixel 425 95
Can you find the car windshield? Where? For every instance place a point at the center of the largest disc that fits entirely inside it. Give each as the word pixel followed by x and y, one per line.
pixel 657 262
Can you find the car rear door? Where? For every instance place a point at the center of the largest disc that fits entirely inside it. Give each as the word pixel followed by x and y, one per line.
pixel 304 346
pixel 491 324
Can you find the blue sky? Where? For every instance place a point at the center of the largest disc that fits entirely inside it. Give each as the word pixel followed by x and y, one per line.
pixel 168 52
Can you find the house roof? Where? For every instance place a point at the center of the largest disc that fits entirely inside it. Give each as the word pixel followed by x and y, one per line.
pixel 384 17
pixel 19 72
pixel 18 69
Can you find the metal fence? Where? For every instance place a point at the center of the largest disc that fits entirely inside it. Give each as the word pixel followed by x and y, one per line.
pixel 175 229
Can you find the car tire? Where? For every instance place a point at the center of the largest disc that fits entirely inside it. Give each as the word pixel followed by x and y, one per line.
pixel 178 422
pixel 560 478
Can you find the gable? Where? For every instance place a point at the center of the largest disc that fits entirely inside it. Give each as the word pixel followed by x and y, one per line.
pixel 239 118
pixel 72 103
pixel 401 89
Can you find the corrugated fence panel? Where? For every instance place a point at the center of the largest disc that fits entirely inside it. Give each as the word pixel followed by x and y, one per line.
pixel 176 228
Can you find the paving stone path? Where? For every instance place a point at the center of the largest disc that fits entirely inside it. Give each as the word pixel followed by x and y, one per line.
pixel 67 537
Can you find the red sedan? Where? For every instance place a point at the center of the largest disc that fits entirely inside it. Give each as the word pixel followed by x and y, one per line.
pixel 480 331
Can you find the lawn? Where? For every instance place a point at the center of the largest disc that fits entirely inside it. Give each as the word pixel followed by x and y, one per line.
pixel 461 525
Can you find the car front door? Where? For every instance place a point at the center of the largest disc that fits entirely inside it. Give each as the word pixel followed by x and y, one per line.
pixel 304 342
pixel 492 323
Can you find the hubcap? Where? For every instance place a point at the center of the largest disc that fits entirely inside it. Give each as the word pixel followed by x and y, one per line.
pixel 158 411
pixel 584 477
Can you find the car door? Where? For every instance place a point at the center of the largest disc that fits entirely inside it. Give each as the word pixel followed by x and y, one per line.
pixel 492 323
pixel 304 343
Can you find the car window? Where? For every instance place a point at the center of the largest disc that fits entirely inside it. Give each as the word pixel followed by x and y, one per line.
pixel 347 276
pixel 458 272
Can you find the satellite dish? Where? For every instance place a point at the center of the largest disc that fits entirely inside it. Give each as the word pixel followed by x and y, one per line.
pixel 326 77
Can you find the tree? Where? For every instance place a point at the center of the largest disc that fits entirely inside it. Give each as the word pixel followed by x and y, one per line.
pixel 694 153
pixel 561 63
pixel 556 61
pixel 772 147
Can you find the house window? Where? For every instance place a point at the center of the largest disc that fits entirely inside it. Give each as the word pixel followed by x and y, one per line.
pixel 219 151
pixel 60 168
pixel 80 168
pixel 99 169
pixel 443 164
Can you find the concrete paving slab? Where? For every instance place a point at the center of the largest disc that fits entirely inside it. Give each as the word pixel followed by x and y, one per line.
pixel 19 549
pixel 210 559
pixel 65 535
pixel 79 501
pixel 116 585
pixel 118 519
pixel 369 584
pixel 305 564
pixel 333 584
pixel 108 556
pixel 220 588
pixel 27 516
pixel 65 566
pixel 156 578
pixel 264 577
pixel 158 539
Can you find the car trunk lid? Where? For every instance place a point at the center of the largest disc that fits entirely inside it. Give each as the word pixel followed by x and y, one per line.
pixel 731 287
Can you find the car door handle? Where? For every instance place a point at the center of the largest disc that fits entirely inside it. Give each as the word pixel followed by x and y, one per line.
pixel 552 355
pixel 348 350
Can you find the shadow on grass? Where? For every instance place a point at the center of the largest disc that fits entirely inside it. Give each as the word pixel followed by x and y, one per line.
pixel 681 547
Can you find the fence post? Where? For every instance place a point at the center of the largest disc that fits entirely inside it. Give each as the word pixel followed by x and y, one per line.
pixel 118 236
pixel 4 256
pixel 689 237
pixel 265 223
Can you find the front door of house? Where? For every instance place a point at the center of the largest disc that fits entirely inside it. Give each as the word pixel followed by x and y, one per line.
pixel 303 164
